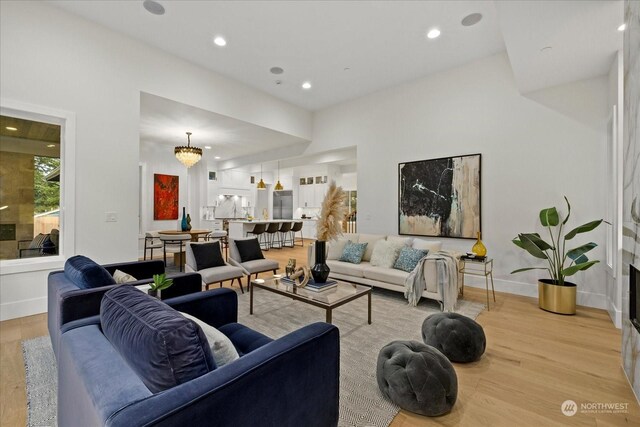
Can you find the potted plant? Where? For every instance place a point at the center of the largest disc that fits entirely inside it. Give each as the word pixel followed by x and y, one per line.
pixel 160 282
pixel 556 294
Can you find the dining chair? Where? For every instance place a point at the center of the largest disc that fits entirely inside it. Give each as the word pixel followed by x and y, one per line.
pixel 171 241
pixel 151 241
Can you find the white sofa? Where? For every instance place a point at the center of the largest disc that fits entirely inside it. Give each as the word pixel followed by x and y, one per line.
pixel 387 278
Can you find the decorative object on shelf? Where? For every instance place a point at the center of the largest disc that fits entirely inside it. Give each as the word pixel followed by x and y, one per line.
pixel 188 222
pixel 479 248
pixel 261 185
pixel 309 180
pixel 183 223
pixel 300 276
pixel 278 186
pixel 188 155
pixel 165 196
pixel 160 282
pixel 291 267
pixel 265 214
pixel 329 227
pixel 440 197
pixel 303 181
pixel 557 295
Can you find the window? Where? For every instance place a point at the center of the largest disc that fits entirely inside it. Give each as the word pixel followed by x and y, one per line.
pixel 30 191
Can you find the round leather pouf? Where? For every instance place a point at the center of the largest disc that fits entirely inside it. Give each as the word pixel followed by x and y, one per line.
pixel 417 377
pixel 459 338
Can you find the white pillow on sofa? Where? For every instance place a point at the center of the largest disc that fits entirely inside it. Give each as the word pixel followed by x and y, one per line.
pixel 221 346
pixel 386 253
pixel 372 240
pixel 406 241
pixel 431 245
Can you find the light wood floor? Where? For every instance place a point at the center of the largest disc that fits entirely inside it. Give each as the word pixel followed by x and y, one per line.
pixel 534 362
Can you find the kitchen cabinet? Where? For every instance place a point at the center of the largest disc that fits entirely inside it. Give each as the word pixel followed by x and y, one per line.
pixel 311 195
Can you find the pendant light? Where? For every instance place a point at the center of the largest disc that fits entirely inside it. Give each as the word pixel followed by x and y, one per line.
pixel 261 184
pixel 278 186
pixel 188 155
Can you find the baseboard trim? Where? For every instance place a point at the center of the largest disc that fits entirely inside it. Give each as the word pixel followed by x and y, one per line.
pixel 615 313
pixel 587 299
pixel 27 307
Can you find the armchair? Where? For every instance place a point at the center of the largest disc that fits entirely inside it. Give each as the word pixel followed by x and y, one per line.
pixel 41 245
pixel 96 386
pixel 68 302
pixel 250 267
pixel 213 275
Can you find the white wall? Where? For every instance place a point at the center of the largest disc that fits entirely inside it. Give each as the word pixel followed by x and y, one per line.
pixel 54 59
pixel 532 155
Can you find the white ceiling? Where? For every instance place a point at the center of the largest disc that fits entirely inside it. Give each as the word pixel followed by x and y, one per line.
pixel 163 121
pixel 583 37
pixel 382 42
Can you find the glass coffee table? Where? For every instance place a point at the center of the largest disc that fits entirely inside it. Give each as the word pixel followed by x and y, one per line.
pixel 329 299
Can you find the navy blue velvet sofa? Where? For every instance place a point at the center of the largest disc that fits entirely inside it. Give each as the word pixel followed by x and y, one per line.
pixel 290 381
pixel 68 302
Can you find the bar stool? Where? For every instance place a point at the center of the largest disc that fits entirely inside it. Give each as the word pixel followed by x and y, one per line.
pixel 297 226
pixel 151 241
pixel 258 231
pixel 283 231
pixel 173 240
pixel 272 231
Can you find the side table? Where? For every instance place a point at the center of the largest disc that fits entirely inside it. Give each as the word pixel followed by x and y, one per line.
pixel 480 267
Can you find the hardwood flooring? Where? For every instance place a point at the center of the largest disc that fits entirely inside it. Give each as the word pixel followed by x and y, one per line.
pixel 534 361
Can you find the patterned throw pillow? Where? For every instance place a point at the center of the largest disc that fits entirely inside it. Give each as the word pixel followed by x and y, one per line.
pixel 353 252
pixel 385 253
pixel 409 258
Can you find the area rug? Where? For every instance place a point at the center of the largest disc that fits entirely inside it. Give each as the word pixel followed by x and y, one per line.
pixel 361 403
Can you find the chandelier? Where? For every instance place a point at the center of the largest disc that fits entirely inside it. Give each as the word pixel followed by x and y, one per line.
pixel 188 155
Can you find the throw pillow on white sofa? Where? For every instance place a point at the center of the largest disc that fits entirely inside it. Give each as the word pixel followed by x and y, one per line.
pixel 386 253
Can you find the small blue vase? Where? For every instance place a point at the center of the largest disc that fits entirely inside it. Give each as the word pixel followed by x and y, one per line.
pixel 183 225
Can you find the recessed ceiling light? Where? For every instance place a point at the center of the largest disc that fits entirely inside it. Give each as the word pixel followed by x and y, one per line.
pixel 208 147
pixel 220 41
pixel 434 33
pixel 276 70
pixel 217 157
pixel 51 145
pixel 622 27
pixel 11 128
pixel 306 85
pixel 4 207
pixel 153 7
pixel 471 19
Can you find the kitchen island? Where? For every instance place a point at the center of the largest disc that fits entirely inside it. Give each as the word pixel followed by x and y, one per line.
pixel 239 228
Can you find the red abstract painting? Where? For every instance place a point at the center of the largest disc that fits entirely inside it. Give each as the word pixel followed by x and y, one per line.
pixel 165 196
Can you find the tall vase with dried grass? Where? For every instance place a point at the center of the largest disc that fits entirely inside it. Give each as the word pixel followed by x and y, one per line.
pixel 329 228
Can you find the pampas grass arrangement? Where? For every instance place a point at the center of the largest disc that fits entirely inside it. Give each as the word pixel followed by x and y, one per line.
pixel 332 213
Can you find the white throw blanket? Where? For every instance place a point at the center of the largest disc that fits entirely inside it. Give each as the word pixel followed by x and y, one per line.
pixel 447 275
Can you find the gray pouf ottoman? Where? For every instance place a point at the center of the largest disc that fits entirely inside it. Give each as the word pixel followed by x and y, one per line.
pixel 417 377
pixel 459 338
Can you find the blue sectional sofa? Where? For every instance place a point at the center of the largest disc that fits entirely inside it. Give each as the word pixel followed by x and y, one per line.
pixel 69 301
pixel 291 381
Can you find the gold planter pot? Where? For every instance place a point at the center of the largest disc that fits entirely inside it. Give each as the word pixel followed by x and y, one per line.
pixel 555 298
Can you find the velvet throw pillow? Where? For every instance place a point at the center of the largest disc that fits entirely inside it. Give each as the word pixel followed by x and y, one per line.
pixel 386 253
pixel 353 252
pixel 409 258
pixel 249 250
pixel 86 274
pixel 207 255
pixel 163 347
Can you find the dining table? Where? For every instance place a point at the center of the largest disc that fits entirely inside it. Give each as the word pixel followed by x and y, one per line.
pixel 195 234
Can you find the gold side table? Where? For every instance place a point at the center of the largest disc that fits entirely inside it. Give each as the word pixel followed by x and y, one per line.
pixel 483 267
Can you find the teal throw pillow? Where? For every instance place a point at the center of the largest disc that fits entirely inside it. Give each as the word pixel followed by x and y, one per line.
pixel 409 258
pixel 353 252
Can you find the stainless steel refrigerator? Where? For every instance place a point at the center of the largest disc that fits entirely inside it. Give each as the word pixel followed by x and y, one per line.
pixel 283 204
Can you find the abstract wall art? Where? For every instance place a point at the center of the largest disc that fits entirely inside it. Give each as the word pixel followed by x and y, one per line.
pixel 440 197
pixel 165 196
